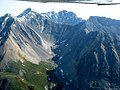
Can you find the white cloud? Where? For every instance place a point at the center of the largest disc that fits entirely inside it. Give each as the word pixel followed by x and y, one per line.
pixel 82 10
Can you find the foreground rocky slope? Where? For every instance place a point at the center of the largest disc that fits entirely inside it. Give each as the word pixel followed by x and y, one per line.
pixel 86 52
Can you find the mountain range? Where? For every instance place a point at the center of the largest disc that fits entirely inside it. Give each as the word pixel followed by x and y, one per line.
pixel 59 51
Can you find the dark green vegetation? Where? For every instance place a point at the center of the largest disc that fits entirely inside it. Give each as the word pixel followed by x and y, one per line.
pixel 25 76
pixel 14 82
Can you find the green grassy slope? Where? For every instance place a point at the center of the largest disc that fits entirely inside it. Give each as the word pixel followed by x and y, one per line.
pixel 27 76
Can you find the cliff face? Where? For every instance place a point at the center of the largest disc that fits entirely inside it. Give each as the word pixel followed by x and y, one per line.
pixel 89 59
pixel 86 52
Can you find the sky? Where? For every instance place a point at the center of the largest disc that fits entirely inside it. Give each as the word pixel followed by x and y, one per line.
pixel 81 10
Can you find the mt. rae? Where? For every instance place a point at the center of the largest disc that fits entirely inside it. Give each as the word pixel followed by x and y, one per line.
pixel 59 51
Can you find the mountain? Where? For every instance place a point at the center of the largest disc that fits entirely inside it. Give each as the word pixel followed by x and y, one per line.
pixel 59 51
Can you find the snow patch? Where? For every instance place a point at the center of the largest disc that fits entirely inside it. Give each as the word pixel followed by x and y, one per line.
pixel 42 28
pixel 54 85
pixel 50 53
pixel 23 65
pixel 19 20
pixel 22 61
pixel 66 44
pixel 96 56
pixel 38 72
pixel 66 83
pixel 60 58
pixel 47 69
pixel 115 53
pixel 86 30
pixel 61 70
pixel 103 38
pixel 13 35
pixel 48 78
pixel 71 80
pixel 63 41
pixel 6 19
pixel 14 25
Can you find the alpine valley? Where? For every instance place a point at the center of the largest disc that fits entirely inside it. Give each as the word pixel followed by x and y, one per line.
pixel 59 51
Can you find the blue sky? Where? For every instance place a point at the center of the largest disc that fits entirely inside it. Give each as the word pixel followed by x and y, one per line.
pixel 82 10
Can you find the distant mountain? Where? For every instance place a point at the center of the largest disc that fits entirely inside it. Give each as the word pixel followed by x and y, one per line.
pixel 62 17
pixel 59 51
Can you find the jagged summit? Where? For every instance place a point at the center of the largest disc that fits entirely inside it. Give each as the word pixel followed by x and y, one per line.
pixel 62 17
pixel 24 12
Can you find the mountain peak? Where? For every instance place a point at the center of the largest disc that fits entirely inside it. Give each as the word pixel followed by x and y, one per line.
pixel 96 23
pixel 24 12
pixel 62 17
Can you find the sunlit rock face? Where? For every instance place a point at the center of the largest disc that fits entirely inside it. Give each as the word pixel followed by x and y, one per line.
pixel 87 52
